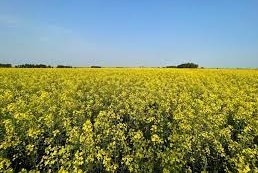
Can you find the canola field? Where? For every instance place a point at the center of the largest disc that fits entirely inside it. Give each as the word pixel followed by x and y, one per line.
pixel 128 120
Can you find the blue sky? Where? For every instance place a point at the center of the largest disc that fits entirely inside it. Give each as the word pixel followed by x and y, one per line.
pixel 221 33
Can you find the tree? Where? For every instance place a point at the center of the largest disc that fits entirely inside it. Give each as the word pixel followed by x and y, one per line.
pixel 5 65
pixel 95 66
pixel 188 65
pixel 32 66
pixel 63 66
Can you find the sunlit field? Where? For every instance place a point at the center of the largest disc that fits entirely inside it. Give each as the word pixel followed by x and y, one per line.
pixel 128 120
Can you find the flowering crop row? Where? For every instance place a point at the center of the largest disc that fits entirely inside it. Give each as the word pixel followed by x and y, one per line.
pixel 128 120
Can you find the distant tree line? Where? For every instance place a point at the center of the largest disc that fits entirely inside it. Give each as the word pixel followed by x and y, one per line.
pixel 33 66
pixel 171 66
pixel 188 65
pixel 63 66
pixel 95 66
pixel 5 65
pixel 185 65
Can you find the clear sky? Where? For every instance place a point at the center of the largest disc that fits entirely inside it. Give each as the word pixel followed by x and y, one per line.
pixel 218 33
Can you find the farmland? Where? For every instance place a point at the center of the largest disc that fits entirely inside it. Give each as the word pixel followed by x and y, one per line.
pixel 128 120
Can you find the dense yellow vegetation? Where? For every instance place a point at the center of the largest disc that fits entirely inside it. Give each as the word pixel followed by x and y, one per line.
pixel 128 120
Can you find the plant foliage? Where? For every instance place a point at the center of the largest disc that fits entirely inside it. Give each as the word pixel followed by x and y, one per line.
pixel 188 65
pixel 5 65
pixel 128 120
